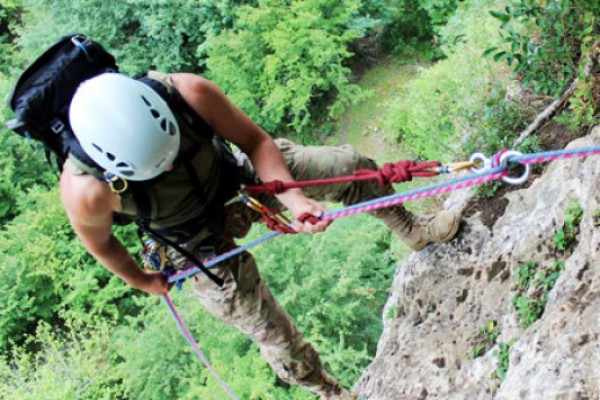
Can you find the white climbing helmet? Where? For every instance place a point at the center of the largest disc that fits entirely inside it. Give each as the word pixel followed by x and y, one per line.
pixel 124 126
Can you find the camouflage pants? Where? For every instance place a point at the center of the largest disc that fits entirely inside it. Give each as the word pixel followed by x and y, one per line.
pixel 245 301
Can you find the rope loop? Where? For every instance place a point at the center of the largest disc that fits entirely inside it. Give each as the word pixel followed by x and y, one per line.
pixel 308 217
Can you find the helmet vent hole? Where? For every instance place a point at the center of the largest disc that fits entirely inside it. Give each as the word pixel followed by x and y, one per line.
pixel 127 172
pixel 172 130
pixel 159 164
pixel 97 147
pixel 122 165
pixel 155 113
pixel 146 101
pixel 110 156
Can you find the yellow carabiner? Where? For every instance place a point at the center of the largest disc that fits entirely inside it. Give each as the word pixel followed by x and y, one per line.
pixel 252 203
pixel 459 166
pixel 117 184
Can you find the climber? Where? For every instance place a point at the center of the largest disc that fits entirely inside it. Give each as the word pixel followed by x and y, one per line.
pixel 129 130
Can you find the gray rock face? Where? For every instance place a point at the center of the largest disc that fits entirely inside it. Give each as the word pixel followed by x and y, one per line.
pixel 444 295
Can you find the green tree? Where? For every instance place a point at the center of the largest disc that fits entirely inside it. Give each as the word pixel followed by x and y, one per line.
pixel 10 14
pixel 45 272
pixel 155 34
pixel 284 58
pixel 75 363
pixel 21 167
pixel 544 41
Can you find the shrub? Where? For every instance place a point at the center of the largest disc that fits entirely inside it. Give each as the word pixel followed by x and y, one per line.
pixel 155 34
pixel 433 113
pixel 283 59
pixel 76 363
pixel 544 41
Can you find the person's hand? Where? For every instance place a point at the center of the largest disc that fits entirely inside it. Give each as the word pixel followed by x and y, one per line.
pixel 155 283
pixel 301 206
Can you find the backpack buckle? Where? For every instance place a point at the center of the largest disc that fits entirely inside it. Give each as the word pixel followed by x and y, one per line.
pixel 57 126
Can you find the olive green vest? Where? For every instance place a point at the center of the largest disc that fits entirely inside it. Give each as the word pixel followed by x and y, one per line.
pixel 189 197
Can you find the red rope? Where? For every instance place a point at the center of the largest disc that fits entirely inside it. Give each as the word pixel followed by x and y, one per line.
pixel 402 171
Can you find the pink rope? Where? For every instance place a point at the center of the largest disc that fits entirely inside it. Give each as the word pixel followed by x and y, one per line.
pixel 190 339
pixel 416 196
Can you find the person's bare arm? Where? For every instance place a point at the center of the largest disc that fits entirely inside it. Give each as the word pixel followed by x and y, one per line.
pixel 234 125
pixel 90 204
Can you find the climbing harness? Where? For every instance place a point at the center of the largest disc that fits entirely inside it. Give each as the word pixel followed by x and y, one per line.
pixel 495 168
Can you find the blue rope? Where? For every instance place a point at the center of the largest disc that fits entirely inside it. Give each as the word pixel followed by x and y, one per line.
pixel 413 191
pixel 556 154
pixel 525 157
pixel 213 262
pixel 188 337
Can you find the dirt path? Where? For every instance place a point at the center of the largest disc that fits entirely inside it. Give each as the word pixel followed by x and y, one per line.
pixel 364 124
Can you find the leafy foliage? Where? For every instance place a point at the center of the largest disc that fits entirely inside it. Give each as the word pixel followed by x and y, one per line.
pixel 502 354
pixel 10 12
pixel 566 238
pixel 544 42
pixel 534 282
pixel 76 363
pixel 21 168
pixel 485 339
pixel 439 104
pixel 407 24
pixel 45 270
pixel 284 58
pixel 155 34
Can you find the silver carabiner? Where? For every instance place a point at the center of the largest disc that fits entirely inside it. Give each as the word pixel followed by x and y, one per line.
pixel 514 180
pixel 484 162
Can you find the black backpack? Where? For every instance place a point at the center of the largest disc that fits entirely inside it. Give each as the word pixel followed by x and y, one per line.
pixel 43 93
pixel 41 100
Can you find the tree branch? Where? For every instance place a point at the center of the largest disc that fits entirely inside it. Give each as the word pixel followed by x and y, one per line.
pixel 557 105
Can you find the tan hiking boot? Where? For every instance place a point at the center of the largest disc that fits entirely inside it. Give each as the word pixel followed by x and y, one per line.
pixel 342 395
pixel 331 390
pixel 419 231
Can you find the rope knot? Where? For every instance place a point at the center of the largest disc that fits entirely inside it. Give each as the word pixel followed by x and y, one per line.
pixel 402 171
pixel 308 217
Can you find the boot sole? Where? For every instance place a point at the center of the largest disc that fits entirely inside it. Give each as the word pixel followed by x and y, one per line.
pixel 451 235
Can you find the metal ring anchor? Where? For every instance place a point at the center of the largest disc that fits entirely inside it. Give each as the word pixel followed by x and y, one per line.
pixel 481 162
pixel 514 180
